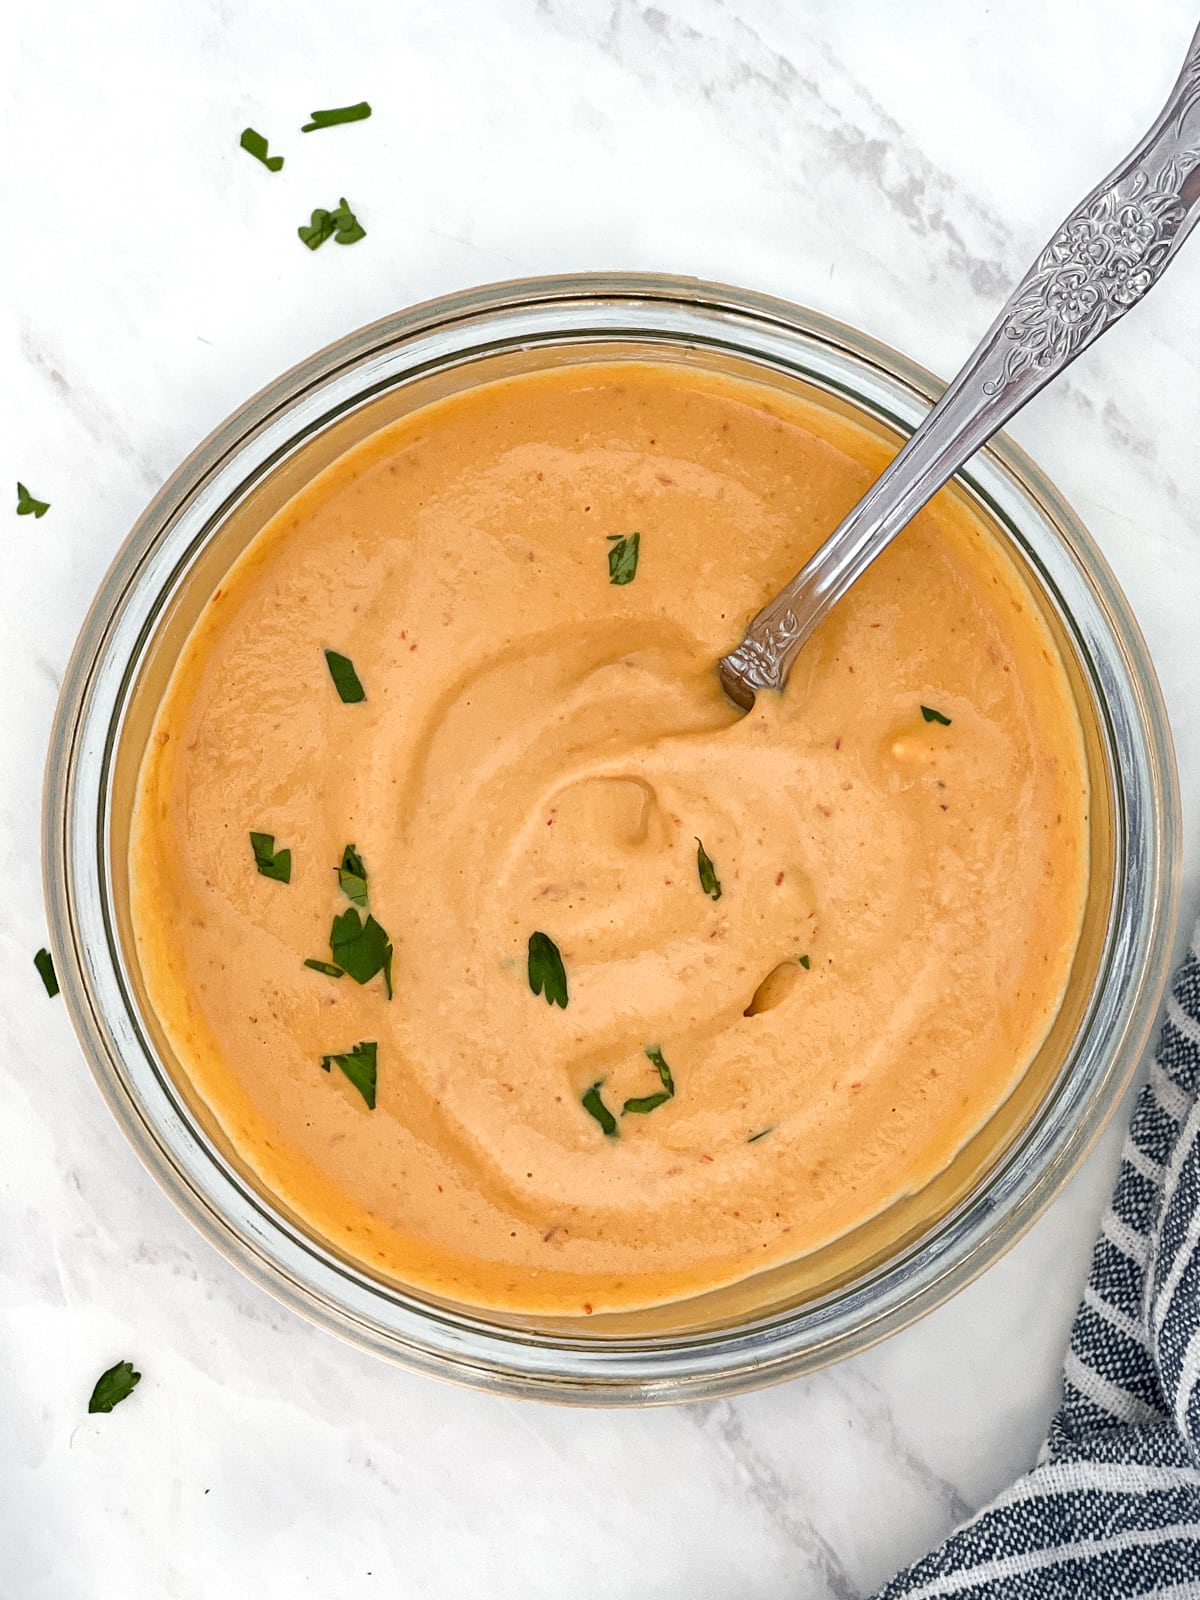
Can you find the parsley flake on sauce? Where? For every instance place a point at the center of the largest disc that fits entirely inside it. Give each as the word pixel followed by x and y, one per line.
pixel 709 881
pixel 623 557
pixel 345 680
pixel 352 877
pixel 270 862
pixel 340 224
pixel 361 949
pixel 640 1104
pixel 805 962
pixel 931 715
pixel 327 967
pixel 113 1386
pixel 27 506
pixel 761 1134
pixel 44 962
pixel 645 1102
pixel 339 114
pixel 254 144
pixel 359 1064
pixel 547 975
pixel 595 1107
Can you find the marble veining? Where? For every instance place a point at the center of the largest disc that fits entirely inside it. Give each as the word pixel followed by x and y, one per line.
pixel 897 167
pixel 763 1483
pixel 101 424
pixel 789 118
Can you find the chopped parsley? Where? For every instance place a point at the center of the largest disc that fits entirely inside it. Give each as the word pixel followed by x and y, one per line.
pixel 645 1102
pixel 359 1065
pixel 44 962
pixel 655 1056
pixel 331 119
pixel 339 224
pixel 650 1102
pixel 623 557
pixel 113 1386
pixel 254 144
pixel 931 715
pixel 805 962
pixel 321 226
pixel 345 679
pixel 270 862
pixel 709 881
pixel 547 975
pixel 595 1107
pixel 352 877
pixel 27 506
pixel 361 949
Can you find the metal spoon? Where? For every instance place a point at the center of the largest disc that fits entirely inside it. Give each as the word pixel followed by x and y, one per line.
pixel 1111 249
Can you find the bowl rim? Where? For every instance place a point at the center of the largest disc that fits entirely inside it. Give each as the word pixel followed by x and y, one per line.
pixel 469 1349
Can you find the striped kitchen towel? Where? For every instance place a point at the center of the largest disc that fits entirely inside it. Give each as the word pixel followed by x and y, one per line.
pixel 1112 1510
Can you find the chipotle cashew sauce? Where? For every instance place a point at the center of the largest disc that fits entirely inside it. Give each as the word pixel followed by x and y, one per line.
pixel 804 953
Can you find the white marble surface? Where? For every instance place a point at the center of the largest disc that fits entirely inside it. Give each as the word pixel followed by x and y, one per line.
pixel 893 165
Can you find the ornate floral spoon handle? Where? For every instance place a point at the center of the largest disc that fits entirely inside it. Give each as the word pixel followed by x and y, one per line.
pixel 1111 249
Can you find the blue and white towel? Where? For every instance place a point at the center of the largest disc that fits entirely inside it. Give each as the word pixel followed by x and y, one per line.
pixel 1112 1510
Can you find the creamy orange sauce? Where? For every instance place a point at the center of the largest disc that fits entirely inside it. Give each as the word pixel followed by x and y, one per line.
pixel 539 750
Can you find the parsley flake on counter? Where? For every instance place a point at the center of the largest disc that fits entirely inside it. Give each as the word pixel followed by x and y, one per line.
pixel 595 1107
pixel 44 962
pixel 361 949
pixel 254 144
pixel 339 114
pixel 761 1134
pixel 640 1104
pixel 113 1386
pixel 270 862
pixel 359 1065
pixel 709 881
pixel 805 962
pixel 352 877
pixel 340 224
pixel 27 506
pixel 623 557
pixel 347 229
pixel 327 967
pixel 547 975
pixel 345 679
pixel 931 715
pixel 321 226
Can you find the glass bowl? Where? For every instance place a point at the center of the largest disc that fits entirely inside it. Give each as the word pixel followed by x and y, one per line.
pixel 779 1322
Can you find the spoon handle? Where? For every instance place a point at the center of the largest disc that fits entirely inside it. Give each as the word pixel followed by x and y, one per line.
pixel 1108 253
